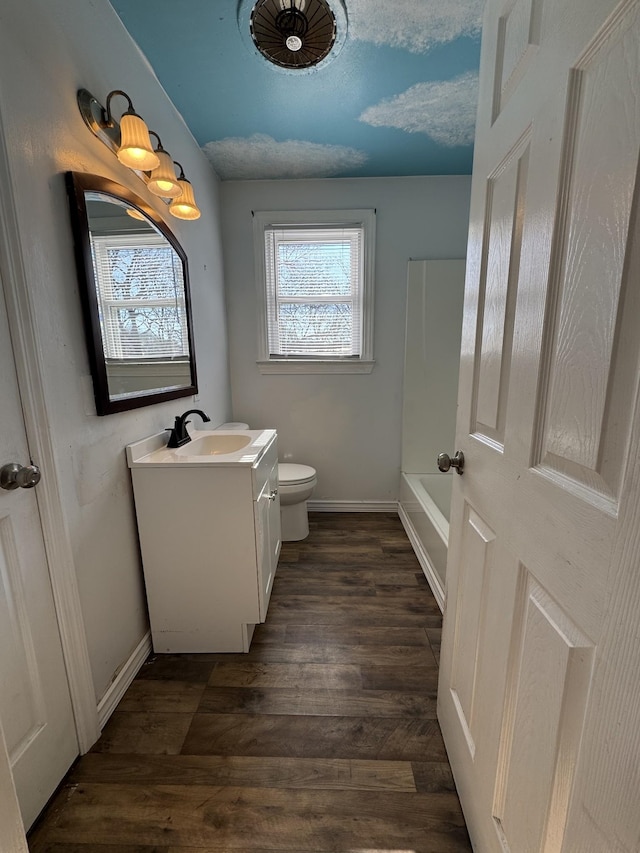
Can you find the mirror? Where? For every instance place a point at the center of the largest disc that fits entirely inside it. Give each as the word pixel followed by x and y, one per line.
pixel 135 297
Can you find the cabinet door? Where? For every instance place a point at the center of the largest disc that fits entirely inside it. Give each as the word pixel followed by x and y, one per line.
pixel 268 539
pixel 275 538
pixel 262 508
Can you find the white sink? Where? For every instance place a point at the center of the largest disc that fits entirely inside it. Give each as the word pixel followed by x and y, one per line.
pixel 207 447
pixel 214 444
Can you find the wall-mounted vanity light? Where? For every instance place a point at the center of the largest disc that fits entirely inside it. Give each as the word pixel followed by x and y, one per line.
pixel 130 141
pixel 162 180
pixel 184 206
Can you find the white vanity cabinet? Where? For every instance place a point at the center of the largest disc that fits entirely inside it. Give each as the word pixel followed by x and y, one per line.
pixel 210 540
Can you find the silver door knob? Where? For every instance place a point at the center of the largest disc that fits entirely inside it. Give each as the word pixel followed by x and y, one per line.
pixel 445 461
pixel 14 476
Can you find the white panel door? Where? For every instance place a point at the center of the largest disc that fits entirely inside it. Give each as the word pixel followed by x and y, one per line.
pixel 35 706
pixel 539 695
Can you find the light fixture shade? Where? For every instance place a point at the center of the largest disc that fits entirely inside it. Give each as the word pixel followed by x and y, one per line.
pixel 135 146
pixel 185 207
pixel 135 214
pixel 163 181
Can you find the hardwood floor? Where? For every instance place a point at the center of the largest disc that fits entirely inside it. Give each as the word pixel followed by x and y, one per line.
pixel 322 739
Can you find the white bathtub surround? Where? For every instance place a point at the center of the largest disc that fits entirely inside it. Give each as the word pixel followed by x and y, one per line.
pixel 435 292
pixel 426 524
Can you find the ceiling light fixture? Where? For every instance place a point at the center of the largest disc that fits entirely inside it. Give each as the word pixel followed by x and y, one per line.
pixel 129 139
pixel 294 34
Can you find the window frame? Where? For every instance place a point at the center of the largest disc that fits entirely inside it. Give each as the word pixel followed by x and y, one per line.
pixel 322 219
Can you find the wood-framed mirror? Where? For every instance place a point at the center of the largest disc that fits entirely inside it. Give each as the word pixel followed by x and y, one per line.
pixel 134 285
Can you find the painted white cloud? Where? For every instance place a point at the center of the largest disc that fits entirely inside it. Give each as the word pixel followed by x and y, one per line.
pixel 262 157
pixel 414 25
pixel 444 110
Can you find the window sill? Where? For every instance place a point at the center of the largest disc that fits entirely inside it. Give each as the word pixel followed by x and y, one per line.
pixel 306 366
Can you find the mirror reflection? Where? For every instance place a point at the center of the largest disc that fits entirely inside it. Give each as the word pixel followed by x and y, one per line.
pixel 137 302
pixel 140 290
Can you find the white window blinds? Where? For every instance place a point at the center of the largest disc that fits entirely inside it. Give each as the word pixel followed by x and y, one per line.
pixel 314 291
pixel 140 297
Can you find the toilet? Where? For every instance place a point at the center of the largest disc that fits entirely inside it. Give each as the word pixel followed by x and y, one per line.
pixel 295 484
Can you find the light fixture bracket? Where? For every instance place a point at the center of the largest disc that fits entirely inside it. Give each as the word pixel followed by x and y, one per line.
pixel 95 117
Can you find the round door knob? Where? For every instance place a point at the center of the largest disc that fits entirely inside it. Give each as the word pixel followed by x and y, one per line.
pixel 445 462
pixel 15 476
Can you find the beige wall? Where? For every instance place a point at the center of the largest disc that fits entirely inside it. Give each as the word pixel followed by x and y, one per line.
pixel 49 49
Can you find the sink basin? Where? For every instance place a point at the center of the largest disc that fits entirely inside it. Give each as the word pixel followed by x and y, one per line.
pixel 214 445
pixel 206 448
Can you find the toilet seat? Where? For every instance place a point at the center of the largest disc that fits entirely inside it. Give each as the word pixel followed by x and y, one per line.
pixel 291 474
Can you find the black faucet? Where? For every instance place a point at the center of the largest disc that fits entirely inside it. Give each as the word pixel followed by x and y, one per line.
pixel 178 434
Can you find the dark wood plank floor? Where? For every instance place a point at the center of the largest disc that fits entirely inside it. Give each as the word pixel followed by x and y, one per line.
pixel 322 739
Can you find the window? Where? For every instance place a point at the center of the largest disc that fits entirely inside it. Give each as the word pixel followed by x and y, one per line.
pixel 140 297
pixel 315 279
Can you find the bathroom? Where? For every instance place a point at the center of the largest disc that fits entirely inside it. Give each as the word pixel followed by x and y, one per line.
pixel 540 673
pixel 348 427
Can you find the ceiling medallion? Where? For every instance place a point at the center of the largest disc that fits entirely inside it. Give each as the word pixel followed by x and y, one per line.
pixel 293 33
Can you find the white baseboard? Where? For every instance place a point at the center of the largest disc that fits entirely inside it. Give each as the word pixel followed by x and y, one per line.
pixel 119 685
pixel 423 558
pixel 352 506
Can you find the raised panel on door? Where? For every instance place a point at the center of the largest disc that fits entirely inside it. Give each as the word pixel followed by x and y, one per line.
pixel 592 345
pixel 476 554
pixel 519 36
pixel 550 672
pixel 505 205
pixel 21 702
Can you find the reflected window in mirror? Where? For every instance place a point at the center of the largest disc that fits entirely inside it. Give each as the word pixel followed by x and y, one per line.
pixel 135 297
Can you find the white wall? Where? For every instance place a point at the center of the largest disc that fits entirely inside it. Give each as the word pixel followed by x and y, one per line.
pixel 348 426
pixel 49 49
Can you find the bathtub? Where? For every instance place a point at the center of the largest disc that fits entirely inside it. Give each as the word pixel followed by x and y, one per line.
pixel 424 512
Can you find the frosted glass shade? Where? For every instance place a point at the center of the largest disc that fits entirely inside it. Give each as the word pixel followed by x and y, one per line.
pixel 163 181
pixel 135 146
pixel 185 207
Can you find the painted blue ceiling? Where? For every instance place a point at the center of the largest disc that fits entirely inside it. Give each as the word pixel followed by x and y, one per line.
pixel 398 97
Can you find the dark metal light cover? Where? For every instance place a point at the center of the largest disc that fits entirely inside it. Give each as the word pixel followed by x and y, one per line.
pixel 293 33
